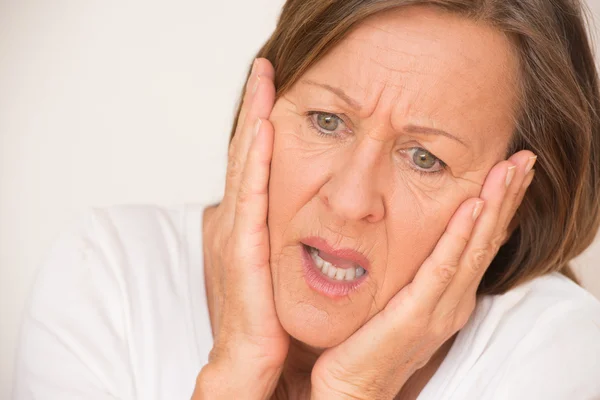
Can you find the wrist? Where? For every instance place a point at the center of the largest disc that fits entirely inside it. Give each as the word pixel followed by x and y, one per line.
pixel 221 380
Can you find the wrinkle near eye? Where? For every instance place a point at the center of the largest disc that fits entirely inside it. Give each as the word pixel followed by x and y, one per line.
pixel 422 199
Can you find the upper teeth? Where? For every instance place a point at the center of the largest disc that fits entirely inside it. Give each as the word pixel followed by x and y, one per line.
pixel 333 272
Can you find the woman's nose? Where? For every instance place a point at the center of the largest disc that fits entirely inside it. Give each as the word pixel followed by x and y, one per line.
pixel 353 191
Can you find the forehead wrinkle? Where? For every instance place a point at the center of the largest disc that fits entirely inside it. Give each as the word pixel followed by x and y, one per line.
pixel 436 97
pixel 405 35
pixel 389 52
pixel 462 68
pixel 405 32
pixel 404 102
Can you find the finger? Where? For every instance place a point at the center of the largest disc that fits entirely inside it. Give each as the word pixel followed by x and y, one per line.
pixel 483 241
pixel 234 165
pixel 260 107
pixel 438 269
pixel 461 294
pixel 261 67
pixel 258 101
pixel 524 161
pixel 526 183
pixel 251 270
pixel 260 110
pixel 252 200
pixel 249 91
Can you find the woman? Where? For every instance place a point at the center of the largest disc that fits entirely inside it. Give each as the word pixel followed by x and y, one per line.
pixel 381 234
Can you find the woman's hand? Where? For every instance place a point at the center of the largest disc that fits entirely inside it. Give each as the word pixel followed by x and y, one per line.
pixel 376 361
pixel 250 345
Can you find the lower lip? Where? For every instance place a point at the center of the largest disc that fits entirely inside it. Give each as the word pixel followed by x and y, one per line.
pixel 323 284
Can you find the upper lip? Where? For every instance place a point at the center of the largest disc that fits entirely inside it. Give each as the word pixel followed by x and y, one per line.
pixel 347 253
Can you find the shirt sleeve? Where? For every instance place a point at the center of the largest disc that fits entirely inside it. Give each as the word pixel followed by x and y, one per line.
pixel 73 337
pixel 558 360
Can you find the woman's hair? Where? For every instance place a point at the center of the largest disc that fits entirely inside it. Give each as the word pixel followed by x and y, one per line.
pixel 557 116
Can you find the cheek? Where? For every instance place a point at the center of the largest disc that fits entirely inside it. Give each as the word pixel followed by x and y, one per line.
pixel 297 174
pixel 414 224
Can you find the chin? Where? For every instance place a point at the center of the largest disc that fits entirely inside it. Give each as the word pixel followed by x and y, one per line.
pixel 311 325
pixel 310 316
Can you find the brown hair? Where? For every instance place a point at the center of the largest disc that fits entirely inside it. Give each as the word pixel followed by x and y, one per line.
pixel 558 118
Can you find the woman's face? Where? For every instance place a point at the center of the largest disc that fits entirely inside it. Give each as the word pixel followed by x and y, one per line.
pixel 376 146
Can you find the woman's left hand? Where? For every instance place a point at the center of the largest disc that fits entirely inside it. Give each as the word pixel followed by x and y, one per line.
pixel 377 360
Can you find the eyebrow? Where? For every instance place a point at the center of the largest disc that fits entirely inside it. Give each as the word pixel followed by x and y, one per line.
pixel 337 91
pixel 411 128
pixel 432 131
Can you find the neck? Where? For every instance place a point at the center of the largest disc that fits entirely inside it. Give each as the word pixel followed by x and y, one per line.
pixel 295 377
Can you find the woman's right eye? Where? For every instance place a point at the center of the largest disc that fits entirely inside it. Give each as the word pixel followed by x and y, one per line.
pixel 326 124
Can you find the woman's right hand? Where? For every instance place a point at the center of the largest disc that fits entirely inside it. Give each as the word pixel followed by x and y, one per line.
pixel 250 345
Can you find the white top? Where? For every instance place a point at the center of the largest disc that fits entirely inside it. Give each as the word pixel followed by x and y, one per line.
pixel 118 311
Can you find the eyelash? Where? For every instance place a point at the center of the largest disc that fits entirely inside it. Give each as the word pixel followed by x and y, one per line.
pixel 312 125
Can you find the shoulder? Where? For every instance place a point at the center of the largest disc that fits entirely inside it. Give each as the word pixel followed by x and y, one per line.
pixel 538 340
pixel 115 302
pixel 130 237
pixel 548 300
pixel 133 225
pixel 557 355
pixel 117 245
pixel 543 300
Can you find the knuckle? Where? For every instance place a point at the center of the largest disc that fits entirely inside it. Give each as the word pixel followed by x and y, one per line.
pixel 464 314
pixel 234 166
pixel 453 259
pixel 420 325
pixel 460 321
pixel 460 238
pixel 438 330
pixel 512 196
pixel 422 362
pixel 244 197
pixel 478 259
pixel 497 241
pixel 446 271
pixel 232 150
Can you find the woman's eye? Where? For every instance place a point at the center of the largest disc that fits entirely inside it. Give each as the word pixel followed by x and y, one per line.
pixel 326 124
pixel 329 122
pixel 425 161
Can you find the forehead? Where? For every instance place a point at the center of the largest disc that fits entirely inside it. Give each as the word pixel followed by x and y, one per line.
pixel 426 64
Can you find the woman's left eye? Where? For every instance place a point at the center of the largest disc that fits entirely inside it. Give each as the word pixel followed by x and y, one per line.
pixel 326 124
pixel 424 161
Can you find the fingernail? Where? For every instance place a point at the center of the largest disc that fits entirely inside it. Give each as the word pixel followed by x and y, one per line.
pixel 510 174
pixel 257 126
pixel 477 209
pixel 256 84
pixel 530 163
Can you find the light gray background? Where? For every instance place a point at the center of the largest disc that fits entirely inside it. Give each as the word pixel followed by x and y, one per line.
pixel 105 102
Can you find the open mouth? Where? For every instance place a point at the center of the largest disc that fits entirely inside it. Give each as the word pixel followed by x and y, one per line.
pixel 333 272
pixel 335 268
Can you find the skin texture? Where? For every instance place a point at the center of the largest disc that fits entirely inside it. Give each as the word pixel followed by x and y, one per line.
pixel 429 238
pixel 413 66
